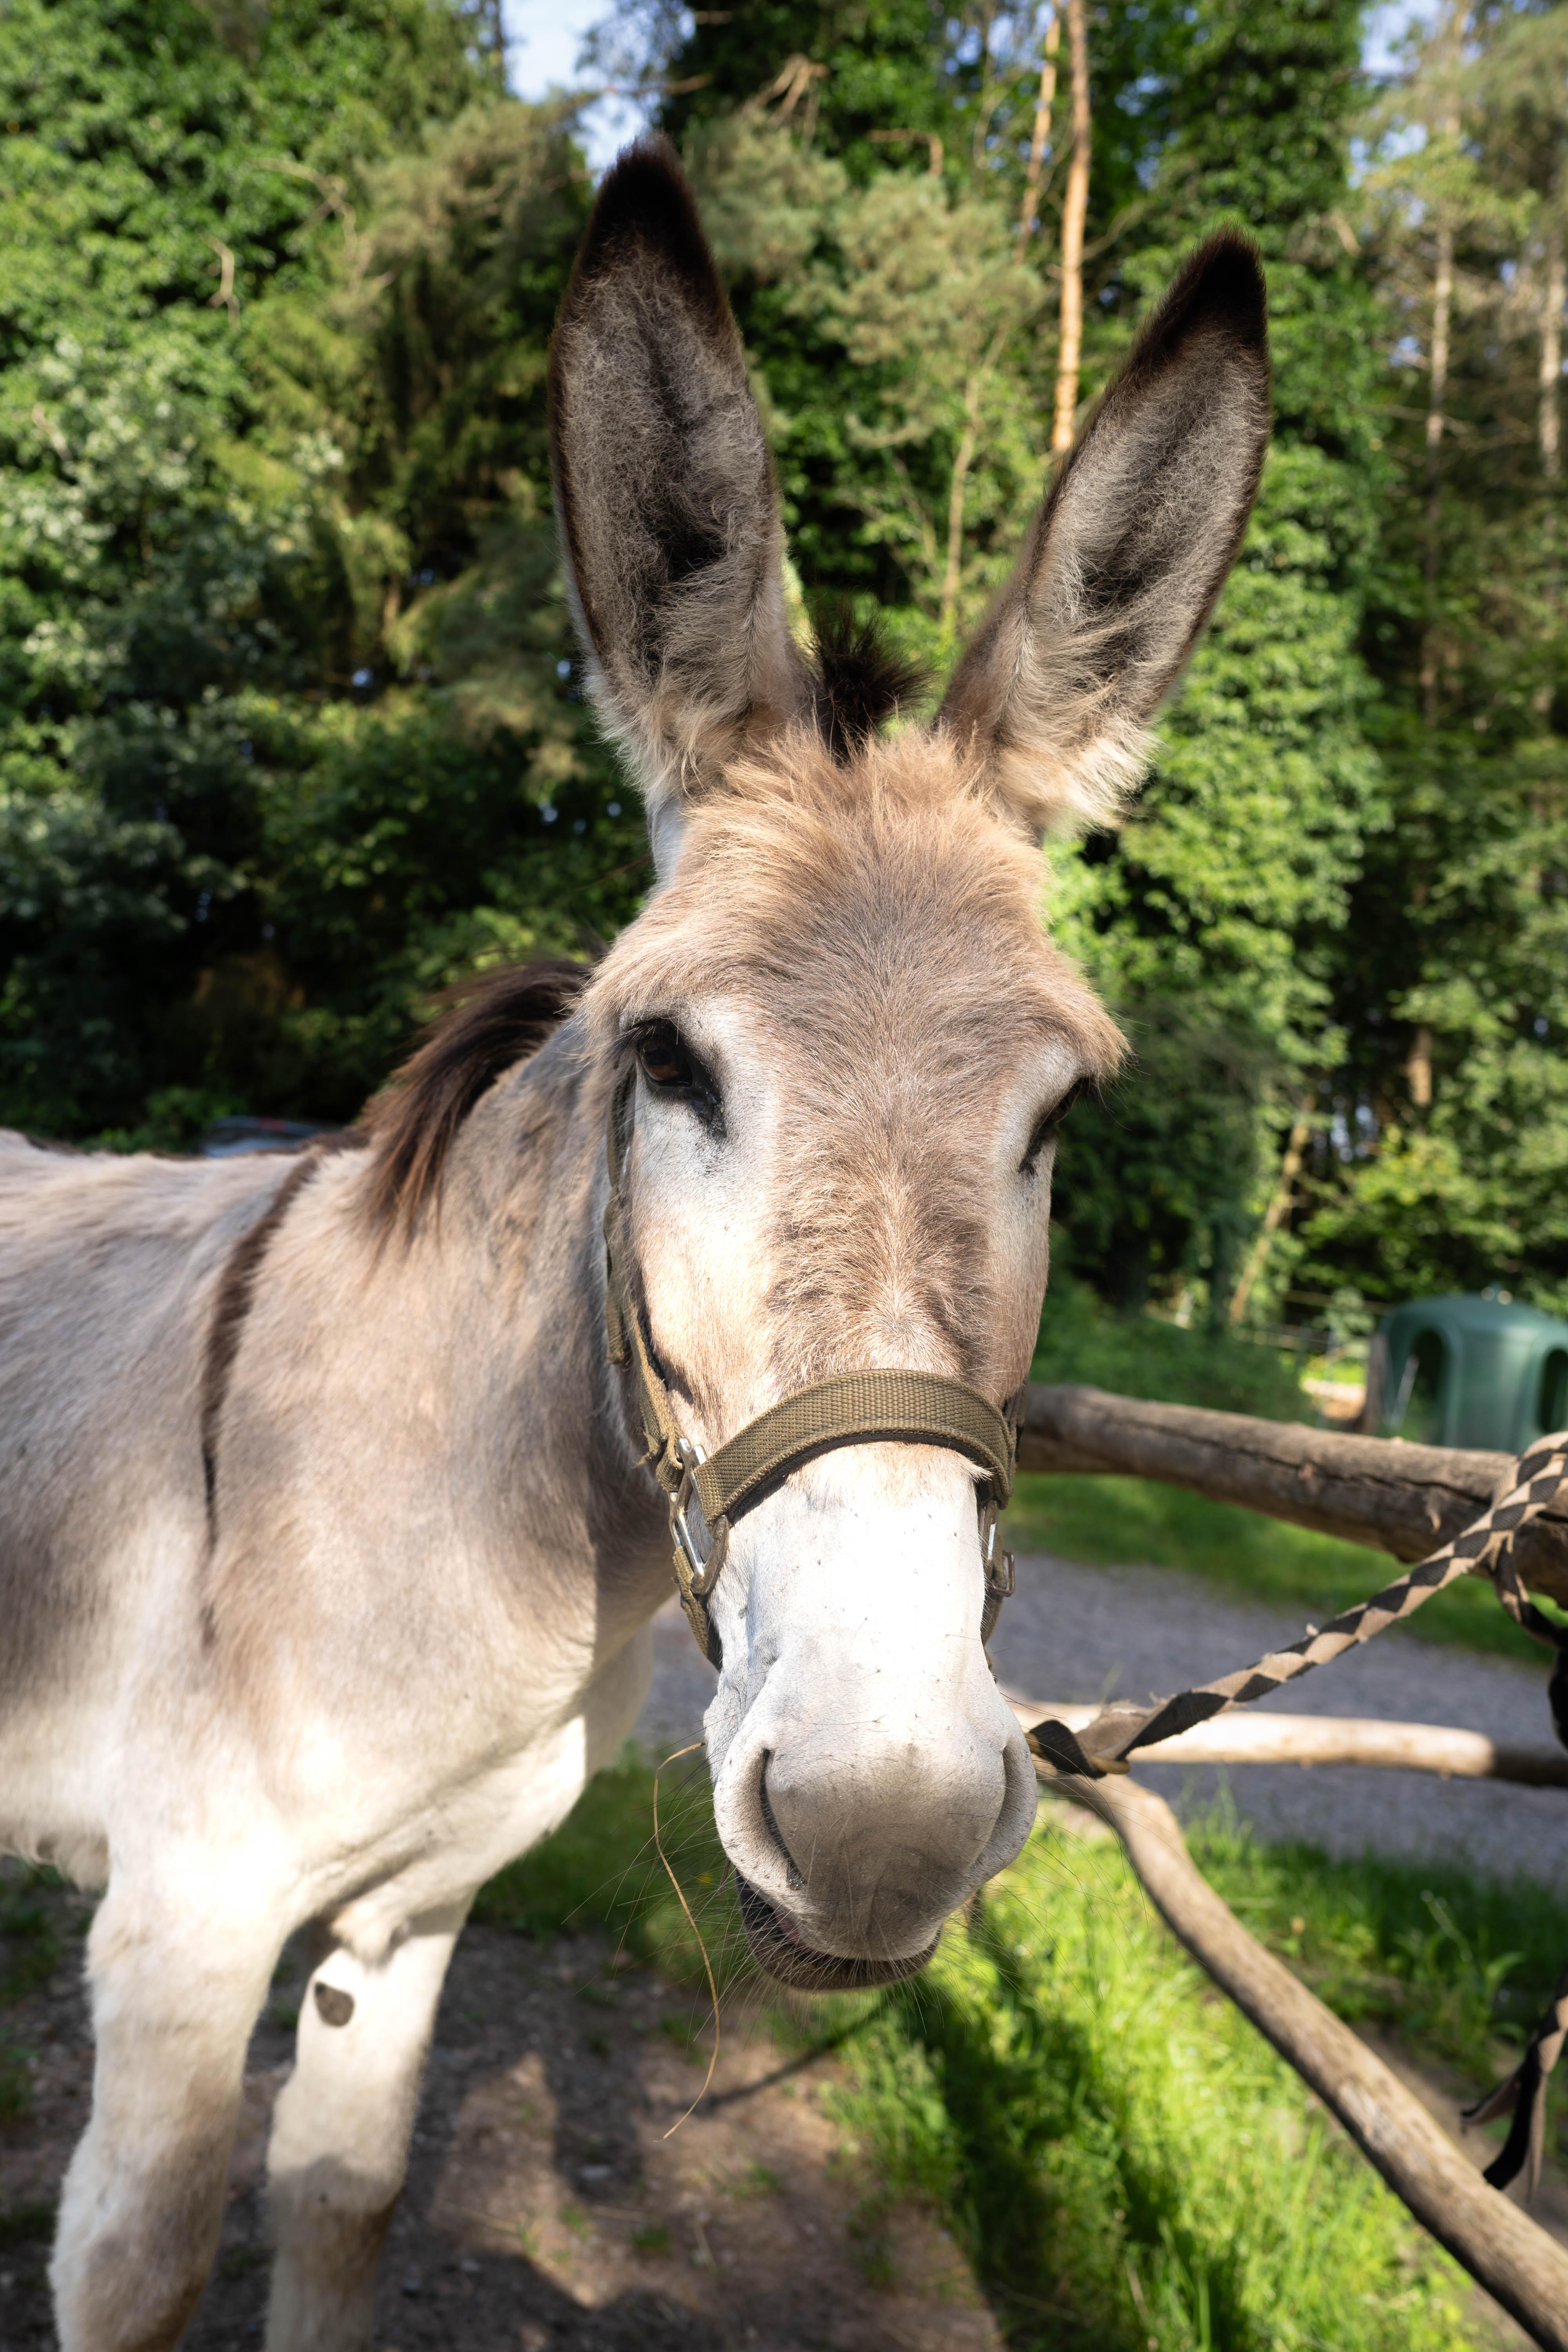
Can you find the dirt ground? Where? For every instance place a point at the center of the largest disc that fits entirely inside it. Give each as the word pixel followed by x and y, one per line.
pixel 544 2205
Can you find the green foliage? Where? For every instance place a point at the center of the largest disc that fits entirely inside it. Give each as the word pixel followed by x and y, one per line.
pixel 1451 1095
pixel 287 733
pixel 290 729
pixel 1142 1356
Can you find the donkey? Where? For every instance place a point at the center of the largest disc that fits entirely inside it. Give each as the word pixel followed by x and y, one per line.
pixel 329 1541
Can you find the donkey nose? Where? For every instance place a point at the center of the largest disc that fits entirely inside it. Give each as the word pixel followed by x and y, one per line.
pixel 882 1843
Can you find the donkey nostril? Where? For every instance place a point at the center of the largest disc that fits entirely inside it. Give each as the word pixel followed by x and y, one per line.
pixel 794 1875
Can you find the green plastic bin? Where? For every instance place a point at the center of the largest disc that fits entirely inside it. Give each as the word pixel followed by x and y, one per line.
pixel 1482 1371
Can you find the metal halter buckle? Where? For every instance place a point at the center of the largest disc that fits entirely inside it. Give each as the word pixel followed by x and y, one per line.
pixel 686 1504
pixel 997 1565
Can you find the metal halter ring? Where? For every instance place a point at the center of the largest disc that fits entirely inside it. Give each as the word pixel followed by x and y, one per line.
pixel 701 1568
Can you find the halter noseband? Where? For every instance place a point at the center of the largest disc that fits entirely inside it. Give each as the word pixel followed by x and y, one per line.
pixel 707 1494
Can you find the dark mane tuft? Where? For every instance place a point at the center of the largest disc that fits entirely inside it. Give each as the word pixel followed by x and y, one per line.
pixel 860 681
pixel 488 1022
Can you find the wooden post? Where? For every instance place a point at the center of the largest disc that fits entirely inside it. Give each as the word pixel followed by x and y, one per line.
pixel 1074 211
pixel 1303 1739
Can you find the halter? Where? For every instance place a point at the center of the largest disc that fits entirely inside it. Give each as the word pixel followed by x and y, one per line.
pixel 708 1493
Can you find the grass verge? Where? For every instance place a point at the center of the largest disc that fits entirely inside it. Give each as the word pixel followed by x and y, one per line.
pixel 1137 1522
pixel 1123 2158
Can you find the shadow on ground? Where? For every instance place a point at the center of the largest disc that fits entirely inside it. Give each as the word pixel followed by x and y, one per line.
pixel 545 2207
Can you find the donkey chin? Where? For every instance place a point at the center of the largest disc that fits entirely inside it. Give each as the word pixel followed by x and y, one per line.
pixel 782 1951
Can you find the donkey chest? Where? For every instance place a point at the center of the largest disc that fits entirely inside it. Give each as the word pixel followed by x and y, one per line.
pixel 399 1847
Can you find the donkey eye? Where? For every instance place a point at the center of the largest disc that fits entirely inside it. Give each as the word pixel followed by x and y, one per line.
pixel 670 1068
pixel 1046 1127
pixel 663 1059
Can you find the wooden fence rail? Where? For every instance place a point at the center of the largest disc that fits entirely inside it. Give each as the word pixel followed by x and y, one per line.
pixel 1398 1498
pixel 1402 1499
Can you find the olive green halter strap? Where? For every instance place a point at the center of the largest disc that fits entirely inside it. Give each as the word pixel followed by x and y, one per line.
pixel 707 1494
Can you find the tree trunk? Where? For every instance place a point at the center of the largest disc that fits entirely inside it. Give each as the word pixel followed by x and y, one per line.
pixel 1275 1213
pixel 1418 1068
pixel 1437 390
pixel 1074 211
pixel 1551 352
pixel 964 457
pixel 1028 216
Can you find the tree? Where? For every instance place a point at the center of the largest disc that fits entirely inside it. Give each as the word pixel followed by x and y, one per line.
pixel 1451 1162
pixel 282 739
pixel 1212 920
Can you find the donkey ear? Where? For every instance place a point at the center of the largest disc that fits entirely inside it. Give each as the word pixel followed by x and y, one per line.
pixel 1126 556
pixel 664 491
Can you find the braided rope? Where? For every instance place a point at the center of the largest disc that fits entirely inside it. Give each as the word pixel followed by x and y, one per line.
pixel 1115 1732
pixel 1524 2096
pixel 1486 1546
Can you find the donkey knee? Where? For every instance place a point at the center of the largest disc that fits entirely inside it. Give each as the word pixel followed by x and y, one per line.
pixel 328 2222
pixel 135 2240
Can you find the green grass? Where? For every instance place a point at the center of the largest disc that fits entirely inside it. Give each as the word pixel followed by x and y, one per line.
pixel 30 1939
pixel 1458 1966
pixel 1121 2156
pixel 1124 2160
pixel 1135 1522
pixel 600 1869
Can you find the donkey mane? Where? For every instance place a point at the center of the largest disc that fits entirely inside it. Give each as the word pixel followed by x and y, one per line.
pixel 488 1023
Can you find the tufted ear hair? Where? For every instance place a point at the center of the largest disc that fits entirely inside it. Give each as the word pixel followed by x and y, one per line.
pixel 1126 557
pixel 663 492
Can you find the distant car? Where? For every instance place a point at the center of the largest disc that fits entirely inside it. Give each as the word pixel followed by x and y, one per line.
pixel 227 1138
pixel 1482 1371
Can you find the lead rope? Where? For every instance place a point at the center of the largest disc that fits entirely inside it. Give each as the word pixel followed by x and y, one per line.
pixel 1105 1744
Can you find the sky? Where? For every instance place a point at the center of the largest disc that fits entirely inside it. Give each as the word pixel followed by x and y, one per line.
pixel 543 38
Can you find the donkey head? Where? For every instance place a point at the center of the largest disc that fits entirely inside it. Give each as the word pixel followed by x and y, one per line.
pixel 846 1040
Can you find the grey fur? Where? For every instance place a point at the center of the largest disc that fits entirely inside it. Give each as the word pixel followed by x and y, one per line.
pixel 668 516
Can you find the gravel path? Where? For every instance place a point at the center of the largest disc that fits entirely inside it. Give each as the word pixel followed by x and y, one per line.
pixel 1072 1632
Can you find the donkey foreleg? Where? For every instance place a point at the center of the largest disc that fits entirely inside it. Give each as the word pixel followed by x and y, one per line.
pixel 340 2132
pixel 174 1995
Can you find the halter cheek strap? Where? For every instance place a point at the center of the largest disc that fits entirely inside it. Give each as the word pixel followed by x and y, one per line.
pixel 707 1494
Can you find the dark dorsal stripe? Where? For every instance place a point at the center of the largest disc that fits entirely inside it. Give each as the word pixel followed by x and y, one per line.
pixel 487 1024
pixel 237 1287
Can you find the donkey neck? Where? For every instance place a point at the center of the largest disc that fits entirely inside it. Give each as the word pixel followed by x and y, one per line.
pixel 467 1522
pixel 527 1188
